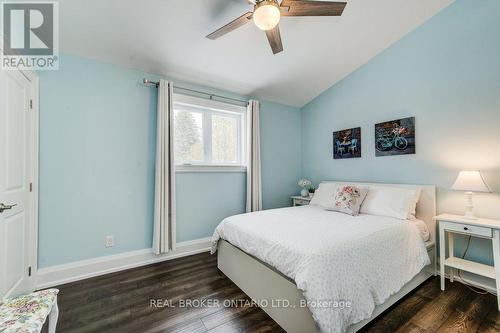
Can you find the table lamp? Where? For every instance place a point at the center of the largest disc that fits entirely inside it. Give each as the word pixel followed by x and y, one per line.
pixel 470 181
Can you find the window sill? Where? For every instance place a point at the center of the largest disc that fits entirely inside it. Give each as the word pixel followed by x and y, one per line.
pixel 209 168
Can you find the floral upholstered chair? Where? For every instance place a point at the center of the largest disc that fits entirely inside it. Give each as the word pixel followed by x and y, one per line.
pixel 27 313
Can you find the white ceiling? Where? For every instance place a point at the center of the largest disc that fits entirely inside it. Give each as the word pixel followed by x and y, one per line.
pixel 168 37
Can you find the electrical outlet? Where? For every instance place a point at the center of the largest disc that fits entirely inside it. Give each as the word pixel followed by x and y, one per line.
pixel 110 241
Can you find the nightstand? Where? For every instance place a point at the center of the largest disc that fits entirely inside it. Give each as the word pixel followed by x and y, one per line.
pixel 300 201
pixel 483 228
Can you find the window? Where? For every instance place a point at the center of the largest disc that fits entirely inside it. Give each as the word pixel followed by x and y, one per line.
pixel 208 133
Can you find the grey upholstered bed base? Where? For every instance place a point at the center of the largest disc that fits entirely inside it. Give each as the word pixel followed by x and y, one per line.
pixel 269 288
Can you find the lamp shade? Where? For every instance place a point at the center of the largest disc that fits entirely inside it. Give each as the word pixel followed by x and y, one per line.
pixel 470 181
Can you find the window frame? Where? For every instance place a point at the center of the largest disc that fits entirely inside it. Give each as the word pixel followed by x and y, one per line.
pixel 202 105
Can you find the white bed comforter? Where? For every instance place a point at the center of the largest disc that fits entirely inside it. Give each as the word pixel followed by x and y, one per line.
pixel 331 256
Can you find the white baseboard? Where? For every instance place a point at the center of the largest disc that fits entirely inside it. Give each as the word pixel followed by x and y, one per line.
pixel 84 269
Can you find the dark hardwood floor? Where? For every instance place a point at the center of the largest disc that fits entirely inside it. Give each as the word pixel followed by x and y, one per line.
pixel 121 302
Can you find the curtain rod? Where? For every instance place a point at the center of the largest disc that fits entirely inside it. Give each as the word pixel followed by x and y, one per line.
pixel 211 96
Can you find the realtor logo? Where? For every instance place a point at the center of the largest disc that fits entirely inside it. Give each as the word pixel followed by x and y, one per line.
pixel 30 33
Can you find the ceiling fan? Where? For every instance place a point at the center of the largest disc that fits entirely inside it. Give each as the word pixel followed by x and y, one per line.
pixel 267 13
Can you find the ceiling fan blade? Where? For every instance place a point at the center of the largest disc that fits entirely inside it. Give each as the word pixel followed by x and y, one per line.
pixel 311 8
pixel 274 38
pixel 235 24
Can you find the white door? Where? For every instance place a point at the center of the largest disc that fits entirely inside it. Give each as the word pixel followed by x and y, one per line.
pixel 16 174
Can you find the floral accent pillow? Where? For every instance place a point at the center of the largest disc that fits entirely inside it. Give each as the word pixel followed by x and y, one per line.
pixel 348 199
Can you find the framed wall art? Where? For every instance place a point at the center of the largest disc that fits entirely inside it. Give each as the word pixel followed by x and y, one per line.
pixel 395 137
pixel 347 143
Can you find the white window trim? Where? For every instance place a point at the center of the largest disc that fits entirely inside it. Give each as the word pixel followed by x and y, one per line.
pixel 216 107
pixel 209 168
pixel 208 103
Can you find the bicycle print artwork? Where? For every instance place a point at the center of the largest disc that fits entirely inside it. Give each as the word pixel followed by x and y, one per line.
pixel 395 137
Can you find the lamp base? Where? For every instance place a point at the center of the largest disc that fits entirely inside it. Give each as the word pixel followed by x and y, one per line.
pixel 469 207
pixel 469 217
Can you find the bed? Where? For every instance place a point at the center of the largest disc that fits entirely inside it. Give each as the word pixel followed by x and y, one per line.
pixel 311 273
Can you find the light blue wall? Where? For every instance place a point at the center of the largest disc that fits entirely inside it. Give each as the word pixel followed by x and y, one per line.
pixel 280 154
pixel 204 199
pixel 97 139
pixel 447 75
pixel 97 124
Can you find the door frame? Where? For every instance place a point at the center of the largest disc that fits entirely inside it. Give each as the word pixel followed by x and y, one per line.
pixel 32 77
pixel 35 129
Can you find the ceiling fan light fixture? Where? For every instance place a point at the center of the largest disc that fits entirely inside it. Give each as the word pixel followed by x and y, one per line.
pixel 266 14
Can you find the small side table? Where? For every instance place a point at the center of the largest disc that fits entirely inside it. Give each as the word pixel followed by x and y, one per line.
pixel 300 201
pixel 482 228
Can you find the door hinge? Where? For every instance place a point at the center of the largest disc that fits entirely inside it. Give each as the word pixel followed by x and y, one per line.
pixel 29 271
pixel 31 187
pixel 31 104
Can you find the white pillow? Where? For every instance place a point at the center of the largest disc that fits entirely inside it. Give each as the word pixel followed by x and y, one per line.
pixel 422 229
pixel 323 196
pixel 413 205
pixel 389 201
